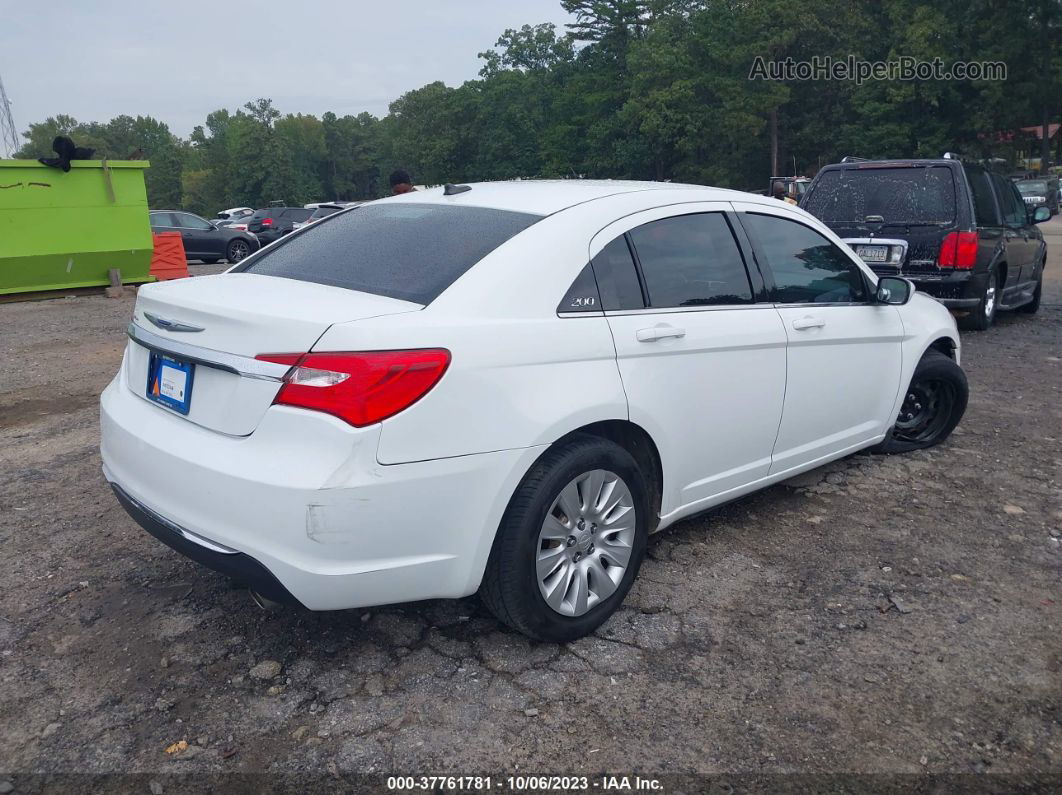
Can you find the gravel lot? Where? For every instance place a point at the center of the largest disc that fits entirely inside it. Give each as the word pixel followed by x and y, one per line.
pixel 881 615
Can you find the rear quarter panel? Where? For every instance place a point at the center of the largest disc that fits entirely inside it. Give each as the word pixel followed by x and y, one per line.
pixel 520 375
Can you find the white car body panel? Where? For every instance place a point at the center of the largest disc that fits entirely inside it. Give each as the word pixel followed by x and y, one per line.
pixel 407 509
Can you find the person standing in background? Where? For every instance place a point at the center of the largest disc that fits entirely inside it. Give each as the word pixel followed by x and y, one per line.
pixel 401 182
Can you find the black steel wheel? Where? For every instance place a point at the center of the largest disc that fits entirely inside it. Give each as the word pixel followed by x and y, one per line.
pixel 933 405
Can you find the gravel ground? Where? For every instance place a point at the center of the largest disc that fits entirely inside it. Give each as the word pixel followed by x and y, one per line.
pixel 881 615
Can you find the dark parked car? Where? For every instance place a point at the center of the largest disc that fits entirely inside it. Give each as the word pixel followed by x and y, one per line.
pixel 1040 193
pixel 961 233
pixel 272 223
pixel 202 239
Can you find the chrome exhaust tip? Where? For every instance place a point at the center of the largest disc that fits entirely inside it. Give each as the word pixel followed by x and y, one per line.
pixel 262 602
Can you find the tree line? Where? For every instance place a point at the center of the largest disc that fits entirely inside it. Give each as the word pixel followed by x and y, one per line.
pixel 639 89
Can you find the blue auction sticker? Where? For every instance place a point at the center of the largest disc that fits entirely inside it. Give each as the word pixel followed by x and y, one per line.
pixel 169 382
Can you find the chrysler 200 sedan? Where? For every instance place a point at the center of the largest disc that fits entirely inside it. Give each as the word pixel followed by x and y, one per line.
pixel 506 387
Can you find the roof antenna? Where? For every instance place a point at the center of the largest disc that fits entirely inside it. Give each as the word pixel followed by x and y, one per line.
pixel 451 190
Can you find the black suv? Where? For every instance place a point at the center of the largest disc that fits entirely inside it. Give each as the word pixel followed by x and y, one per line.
pixel 272 223
pixel 961 233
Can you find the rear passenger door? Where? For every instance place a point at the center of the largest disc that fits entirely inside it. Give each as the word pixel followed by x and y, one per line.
pixel 843 358
pixel 702 362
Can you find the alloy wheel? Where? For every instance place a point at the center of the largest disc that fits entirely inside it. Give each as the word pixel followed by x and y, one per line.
pixel 584 546
pixel 238 250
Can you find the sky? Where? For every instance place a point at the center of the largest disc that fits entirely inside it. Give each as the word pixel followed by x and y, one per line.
pixel 178 61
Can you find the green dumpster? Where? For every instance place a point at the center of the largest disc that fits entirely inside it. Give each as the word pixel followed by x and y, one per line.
pixel 61 230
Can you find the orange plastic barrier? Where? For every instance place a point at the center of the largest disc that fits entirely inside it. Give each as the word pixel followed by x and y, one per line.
pixel 168 260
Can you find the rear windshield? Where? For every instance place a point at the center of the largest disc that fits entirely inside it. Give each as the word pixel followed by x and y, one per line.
pixel 902 195
pixel 408 251
pixel 1032 187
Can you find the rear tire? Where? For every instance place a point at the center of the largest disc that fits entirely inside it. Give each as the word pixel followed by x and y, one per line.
pixel 983 316
pixel 237 250
pixel 209 261
pixel 550 541
pixel 933 405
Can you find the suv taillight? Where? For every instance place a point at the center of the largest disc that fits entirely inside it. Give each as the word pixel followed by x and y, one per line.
pixel 360 388
pixel 959 250
pixel 266 222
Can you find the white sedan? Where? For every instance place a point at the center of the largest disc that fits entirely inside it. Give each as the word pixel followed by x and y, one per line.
pixel 506 387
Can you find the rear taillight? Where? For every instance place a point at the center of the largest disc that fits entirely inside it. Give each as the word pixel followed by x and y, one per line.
pixel 266 222
pixel 360 388
pixel 959 250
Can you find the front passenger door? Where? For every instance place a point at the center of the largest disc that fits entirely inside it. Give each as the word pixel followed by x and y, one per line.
pixel 843 357
pixel 200 237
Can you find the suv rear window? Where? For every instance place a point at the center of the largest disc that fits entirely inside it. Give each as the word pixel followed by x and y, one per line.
pixel 407 251
pixel 900 195
pixel 324 212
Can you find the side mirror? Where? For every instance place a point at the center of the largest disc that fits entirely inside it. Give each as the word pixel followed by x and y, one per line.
pixel 1041 214
pixel 894 291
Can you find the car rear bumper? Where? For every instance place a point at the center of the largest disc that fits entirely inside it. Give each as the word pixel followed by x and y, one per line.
pixel 227 561
pixel 958 290
pixel 304 502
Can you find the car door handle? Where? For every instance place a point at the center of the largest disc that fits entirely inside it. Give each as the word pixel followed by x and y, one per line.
pixel 659 333
pixel 803 323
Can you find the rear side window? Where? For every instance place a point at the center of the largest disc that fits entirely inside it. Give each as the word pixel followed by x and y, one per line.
pixel 691 260
pixel 324 212
pixel 1010 202
pixel 161 219
pixel 407 251
pixel 617 277
pixel 582 296
pixel 984 204
pixel 900 195
pixel 297 214
pixel 807 268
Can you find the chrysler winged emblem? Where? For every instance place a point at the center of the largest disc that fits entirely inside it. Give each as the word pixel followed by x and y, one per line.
pixel 171 325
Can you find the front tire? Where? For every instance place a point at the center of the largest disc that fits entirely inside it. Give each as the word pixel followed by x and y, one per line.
pixel 934 403
pixel 570 543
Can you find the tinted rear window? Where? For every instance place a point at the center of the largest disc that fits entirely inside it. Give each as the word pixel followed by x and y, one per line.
pixel 1032 187
pixel 903 195
pixel 408 251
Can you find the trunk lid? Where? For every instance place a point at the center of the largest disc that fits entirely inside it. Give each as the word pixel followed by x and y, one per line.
pixel 223 322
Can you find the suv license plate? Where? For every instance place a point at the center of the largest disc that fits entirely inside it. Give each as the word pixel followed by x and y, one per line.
pixel 170 382
pixel 872 253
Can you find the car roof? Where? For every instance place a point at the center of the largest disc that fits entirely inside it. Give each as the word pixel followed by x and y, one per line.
pixel 900 162
pixel 545 197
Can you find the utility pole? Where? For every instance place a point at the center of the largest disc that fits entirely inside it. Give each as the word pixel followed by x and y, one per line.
pixel 8 132
pixel 774 141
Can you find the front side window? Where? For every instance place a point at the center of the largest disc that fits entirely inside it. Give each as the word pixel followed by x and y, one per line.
pixel 807 268
pixel 191 222
pixel 1011 202
pixel 691 260
pixel 407 251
